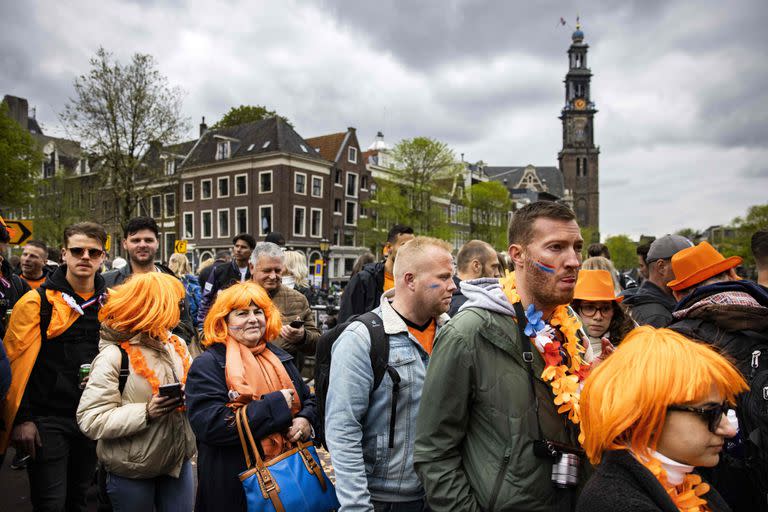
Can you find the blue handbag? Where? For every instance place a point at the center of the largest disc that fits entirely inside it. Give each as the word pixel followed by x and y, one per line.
pixel 293 481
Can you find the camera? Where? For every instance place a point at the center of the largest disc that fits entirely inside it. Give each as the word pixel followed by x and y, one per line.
pixel 565 461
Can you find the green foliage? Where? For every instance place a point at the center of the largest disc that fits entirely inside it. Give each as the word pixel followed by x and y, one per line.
pixel 691 234
pixel 118 111
pixel 622 250
pixel 19 162
pixel 589 235
pixel 745 227
pixel 489 205
pixel 424 172
pixel 247 114
pixel 61 201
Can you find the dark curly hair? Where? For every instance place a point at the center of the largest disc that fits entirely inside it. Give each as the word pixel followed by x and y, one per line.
pixel 620 325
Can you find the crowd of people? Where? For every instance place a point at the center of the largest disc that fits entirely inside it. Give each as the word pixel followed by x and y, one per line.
pixel 531 379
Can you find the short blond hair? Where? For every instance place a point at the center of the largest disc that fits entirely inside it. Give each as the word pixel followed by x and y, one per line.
pixel 404 262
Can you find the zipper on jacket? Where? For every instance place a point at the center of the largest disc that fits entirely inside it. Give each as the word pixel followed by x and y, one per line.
pixel 499 480
pixel 755 362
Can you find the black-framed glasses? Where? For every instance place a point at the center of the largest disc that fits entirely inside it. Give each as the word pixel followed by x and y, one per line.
pixel 78 252
pixel 591 310
pixel 712 415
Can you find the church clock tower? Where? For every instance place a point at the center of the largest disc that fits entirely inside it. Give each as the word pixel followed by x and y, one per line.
pixel 579 156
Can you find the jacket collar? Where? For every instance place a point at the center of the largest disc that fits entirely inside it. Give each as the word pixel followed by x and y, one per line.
pixel 57 280
pixel 393 324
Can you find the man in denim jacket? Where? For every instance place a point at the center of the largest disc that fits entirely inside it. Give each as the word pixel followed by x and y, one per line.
pixel 374 472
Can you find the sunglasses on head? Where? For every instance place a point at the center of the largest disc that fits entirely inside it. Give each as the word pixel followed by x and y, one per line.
pixel 712 415
pixel 78 252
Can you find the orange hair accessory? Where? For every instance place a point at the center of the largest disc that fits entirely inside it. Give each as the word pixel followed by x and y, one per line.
pixel 147 303
pixel 624 401
pixel 240 296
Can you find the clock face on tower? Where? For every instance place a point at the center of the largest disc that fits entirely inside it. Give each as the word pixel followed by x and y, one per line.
pixel 579 103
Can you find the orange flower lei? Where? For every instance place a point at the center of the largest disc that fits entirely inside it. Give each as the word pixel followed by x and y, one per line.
pixel 563 379
pixel 687 495
pixel 139 363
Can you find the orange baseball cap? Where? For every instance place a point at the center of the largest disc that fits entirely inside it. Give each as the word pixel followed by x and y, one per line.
pixel 595 285
pixel 696 264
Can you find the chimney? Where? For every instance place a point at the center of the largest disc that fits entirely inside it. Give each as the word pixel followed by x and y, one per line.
pixel 203 127
pixel 18 110
pixel 351 129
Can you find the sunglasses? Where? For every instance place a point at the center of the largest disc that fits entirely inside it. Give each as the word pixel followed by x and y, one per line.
pixel 591 310
pixel 78 252
pixel 712 415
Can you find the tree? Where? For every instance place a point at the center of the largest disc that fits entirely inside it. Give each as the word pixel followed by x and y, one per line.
pixel 62 201
pixel 745 227
pixel 19 162
pixel 246 114
pixel 117 112
pixel 691 234
pixel 489 205
pixel 622 250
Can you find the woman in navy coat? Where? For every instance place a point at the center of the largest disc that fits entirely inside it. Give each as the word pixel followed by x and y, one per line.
pixel 242 369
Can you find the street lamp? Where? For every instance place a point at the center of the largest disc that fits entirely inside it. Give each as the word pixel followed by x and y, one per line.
pixel 325 249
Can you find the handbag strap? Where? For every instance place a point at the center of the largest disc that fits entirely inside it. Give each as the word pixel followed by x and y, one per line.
pixel 267 483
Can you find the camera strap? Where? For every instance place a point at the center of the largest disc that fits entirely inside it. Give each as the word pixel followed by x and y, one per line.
pixel 525 345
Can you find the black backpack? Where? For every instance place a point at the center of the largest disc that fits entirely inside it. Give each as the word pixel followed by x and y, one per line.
pixel 379 365
pixel 748 350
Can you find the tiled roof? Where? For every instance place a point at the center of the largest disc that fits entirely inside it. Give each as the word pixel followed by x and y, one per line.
pixel 328 145
pixel 551 176
pixel 266 136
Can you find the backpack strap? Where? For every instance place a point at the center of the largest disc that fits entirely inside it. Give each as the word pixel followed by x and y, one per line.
pixel 46 312
pixel 124 370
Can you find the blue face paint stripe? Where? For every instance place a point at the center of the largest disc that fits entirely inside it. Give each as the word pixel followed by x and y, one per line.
pixel 544 267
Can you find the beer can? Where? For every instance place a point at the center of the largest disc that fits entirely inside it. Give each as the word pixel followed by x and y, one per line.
pixel 85 371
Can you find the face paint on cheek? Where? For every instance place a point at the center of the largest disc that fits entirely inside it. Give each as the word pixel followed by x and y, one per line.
pixel 433 286
pixel 546 268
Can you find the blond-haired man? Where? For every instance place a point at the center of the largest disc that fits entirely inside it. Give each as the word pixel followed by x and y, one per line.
pixel 373 456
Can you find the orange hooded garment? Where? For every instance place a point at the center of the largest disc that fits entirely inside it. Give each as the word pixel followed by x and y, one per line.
pixel 22 343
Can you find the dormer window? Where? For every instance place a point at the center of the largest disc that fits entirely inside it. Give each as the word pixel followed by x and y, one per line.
pixel 352 155
pixel 222 150
pixel 170 167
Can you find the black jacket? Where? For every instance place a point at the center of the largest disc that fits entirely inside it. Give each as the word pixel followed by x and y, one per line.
pixel 220 456
pixel 363 292
pixel 221 278
pixel 12 287
pixel 457 299
pixel 622 483
pixel 650 305
pixel 186 328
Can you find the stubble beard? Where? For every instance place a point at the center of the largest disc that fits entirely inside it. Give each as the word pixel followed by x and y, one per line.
pixel 542 288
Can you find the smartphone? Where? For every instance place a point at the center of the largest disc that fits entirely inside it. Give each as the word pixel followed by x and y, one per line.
pixel 170 390
pixel 297 324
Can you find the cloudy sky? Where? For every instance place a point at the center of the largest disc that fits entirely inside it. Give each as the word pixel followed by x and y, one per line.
pixel 681 86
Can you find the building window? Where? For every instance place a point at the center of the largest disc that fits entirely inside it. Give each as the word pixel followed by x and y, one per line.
pixel 364 183
pixel 223 216
pixel 352 184
pixel 352 155
pixel 170 244
pixel 350 217
pixel 349 239
pixel 316 223
pixel 188 227
pixel 300 183
pixel 317 186
pixel 142 207
pixel 170 167
pixel 299 216
pixel 223 186
pixel 206 224
pixel 265 220
pixel 156 206
pixel 222 150
pixel 265 182
pixel 206 189
pixel 337 206
pixel 170 204
pixel 338 177
pixel 241 184
pixel 189 191
pixel 241 219
pixel 584 167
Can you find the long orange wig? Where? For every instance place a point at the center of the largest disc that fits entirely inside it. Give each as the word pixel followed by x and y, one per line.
pixel 624 401
pixel 147 303
pixel 240 296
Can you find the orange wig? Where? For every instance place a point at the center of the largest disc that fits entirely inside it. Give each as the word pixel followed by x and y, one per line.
pixel 624 401
pixel 240 296
pixel 147 303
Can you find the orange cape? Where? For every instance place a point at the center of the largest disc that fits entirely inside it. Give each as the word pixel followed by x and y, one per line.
pixel 22 343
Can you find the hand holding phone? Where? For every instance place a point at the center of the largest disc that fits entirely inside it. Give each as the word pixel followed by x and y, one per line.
pixel 297 324
pixel 170 390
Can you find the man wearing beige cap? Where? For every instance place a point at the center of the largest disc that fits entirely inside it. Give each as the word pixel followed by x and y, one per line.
pixel 731 314
pixel 653 302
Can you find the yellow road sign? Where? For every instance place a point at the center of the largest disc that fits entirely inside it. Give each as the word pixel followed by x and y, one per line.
pixel 20 231
pixel 108 243
pixel 180 246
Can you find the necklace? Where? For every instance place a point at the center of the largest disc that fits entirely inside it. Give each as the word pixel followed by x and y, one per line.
pixel 687 495
pixel 564 374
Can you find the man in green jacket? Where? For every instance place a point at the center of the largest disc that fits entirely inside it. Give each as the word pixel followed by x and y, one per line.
pixel 478 418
